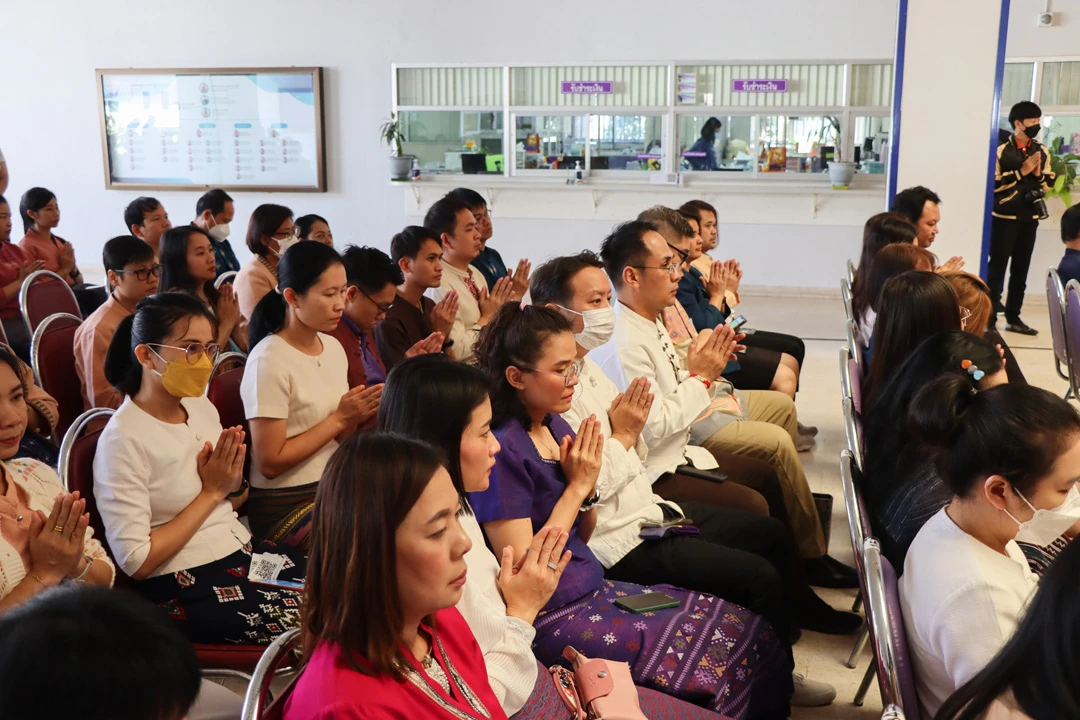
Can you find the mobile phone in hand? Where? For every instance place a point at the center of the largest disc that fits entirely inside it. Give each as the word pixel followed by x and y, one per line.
pixel 737 322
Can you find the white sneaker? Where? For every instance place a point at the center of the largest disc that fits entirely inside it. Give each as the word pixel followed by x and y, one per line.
pixel 811 693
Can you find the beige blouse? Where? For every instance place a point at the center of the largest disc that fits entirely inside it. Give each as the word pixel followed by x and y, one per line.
pixel 251 284
pixel 38 484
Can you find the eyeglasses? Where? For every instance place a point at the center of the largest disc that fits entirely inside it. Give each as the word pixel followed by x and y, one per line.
pixel 383 309
pixel 193 352
pixel 569 375
pixel 142 274
pixel 672 269
pixel 965 315
pixel 286 234
pixel 685 255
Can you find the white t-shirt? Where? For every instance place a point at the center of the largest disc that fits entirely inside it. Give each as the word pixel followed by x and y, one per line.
pixel 284 383
pixel 146 472
pixel 961 601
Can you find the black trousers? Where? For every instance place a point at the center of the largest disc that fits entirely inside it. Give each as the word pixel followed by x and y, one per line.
pixel 778 342
pixel 1010 240
pixel 1012 368
pixel 741 557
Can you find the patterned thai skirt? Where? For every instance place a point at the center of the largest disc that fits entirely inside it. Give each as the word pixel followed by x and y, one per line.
pixel 545 703
pixel 216 604
pixel 706 651
pixel 282 516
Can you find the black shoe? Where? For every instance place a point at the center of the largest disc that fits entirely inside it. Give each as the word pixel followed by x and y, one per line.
pixel 795 636
pixel 1018 326
pixel 828 572
pixel 821 617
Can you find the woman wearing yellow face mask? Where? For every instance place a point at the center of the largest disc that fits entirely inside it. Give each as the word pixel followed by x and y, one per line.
pixel 168 478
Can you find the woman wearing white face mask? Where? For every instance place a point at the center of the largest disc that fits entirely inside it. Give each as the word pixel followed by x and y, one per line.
pixel 1011 456
pixel 270 233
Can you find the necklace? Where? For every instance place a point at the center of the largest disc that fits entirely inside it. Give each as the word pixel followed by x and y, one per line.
pixel 467 693
pixel 435 671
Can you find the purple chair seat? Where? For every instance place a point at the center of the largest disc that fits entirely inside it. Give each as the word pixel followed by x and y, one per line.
pixel 896 674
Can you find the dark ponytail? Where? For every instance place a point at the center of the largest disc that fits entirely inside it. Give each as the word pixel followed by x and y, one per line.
pixel 299 269
pixel 151 323
pixel 1015 431
pixel 514 337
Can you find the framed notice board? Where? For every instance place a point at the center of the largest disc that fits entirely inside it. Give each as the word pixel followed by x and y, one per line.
pixel 238 129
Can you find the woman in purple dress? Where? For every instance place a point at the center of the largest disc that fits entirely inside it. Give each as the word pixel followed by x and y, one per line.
pixel 704 650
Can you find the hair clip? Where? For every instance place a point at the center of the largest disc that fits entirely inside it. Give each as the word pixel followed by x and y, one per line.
pixel 972 370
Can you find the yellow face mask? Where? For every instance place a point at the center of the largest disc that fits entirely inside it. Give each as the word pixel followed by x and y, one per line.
pixel 183 379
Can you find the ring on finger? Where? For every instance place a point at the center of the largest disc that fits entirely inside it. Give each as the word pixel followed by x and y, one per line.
pixel 58 528
pixel 553 566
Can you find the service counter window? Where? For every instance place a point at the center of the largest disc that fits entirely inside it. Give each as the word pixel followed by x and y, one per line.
pixel 731 147
pixel 453 141
pixel 798 144
pixel 550 142
pixel 1062 133
pixel 872 139
pixel 625 142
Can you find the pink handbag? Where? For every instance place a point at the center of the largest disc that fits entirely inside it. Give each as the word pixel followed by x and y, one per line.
pixel 597 689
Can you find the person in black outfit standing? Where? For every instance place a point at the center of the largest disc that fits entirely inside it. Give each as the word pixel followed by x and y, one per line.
pixel 1022 177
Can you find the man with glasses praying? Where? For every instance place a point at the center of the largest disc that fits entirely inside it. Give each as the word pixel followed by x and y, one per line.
pixel 372 288
pixel 695 409
pixel 133 274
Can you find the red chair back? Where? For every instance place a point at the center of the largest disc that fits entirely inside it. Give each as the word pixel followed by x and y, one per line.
pixel 52 350
pixel 45 293
pixel 77 463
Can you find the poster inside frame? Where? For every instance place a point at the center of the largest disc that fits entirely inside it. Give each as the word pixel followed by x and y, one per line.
pixel 193 129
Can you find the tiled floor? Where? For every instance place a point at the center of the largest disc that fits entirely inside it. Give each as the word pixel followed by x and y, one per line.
pixel 820 323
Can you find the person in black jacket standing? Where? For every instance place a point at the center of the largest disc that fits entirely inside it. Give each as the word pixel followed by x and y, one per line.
pixel 1022 177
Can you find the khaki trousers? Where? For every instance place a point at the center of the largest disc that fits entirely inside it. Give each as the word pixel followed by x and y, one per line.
pixel 769 435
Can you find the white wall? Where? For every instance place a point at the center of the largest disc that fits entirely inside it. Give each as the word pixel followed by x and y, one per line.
pixel 50 134
pixel 1027 39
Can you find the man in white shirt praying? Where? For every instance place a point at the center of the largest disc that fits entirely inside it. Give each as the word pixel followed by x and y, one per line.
pixel 645 271
pixel 456 226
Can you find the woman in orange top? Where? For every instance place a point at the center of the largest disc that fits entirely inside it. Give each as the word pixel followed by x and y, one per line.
pixel 40 214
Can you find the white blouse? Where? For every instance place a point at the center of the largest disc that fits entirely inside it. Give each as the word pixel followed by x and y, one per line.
pixel 41 485
pixel 283 383
pixel 505 641
pixel 626 497
pixel 961 601
pixel 146 472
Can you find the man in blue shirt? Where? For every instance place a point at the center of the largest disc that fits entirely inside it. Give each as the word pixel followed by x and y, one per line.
pixel 1069 267
pixel 213 213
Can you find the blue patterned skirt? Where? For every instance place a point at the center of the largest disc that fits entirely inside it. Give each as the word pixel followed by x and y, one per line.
pixel 706 651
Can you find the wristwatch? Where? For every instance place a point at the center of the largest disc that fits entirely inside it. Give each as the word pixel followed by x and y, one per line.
pixel 448 344
pixel 241 491
pixel 591 502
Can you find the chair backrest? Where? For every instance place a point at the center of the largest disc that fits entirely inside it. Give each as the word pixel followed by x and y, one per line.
pixel 845 372
pixel 1055 301
pixel 52 351
pixel 262 676
pixel 845 295
pixel 855 368
pixel 227 361
pixel 892 712
pixel 225 277
pixel 853 432
pixel 856 520
pixel 45 293
pixel 895 672
pixel 853 341
pixel 1072 332
pixel 77 461
pixel 223 391
pixel 3 335
pixel 850 274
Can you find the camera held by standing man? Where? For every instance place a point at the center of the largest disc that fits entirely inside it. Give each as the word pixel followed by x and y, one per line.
pixel 1021 180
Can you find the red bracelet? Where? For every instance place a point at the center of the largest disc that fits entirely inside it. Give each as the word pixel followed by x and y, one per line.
pixel 707 383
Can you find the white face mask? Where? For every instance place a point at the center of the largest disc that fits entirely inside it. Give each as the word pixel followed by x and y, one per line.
pixel 219 232
pixel 1046 526
pixel 285 244
pixel 599 327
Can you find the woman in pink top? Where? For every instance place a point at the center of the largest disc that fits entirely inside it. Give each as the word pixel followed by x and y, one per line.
pixel 40 215
pixel 270 233
pixel 15 266
pixel 382 638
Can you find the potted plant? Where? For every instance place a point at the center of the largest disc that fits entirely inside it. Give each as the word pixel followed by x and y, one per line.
pixel 391 134
pixel 1064 166
pixel 840 172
